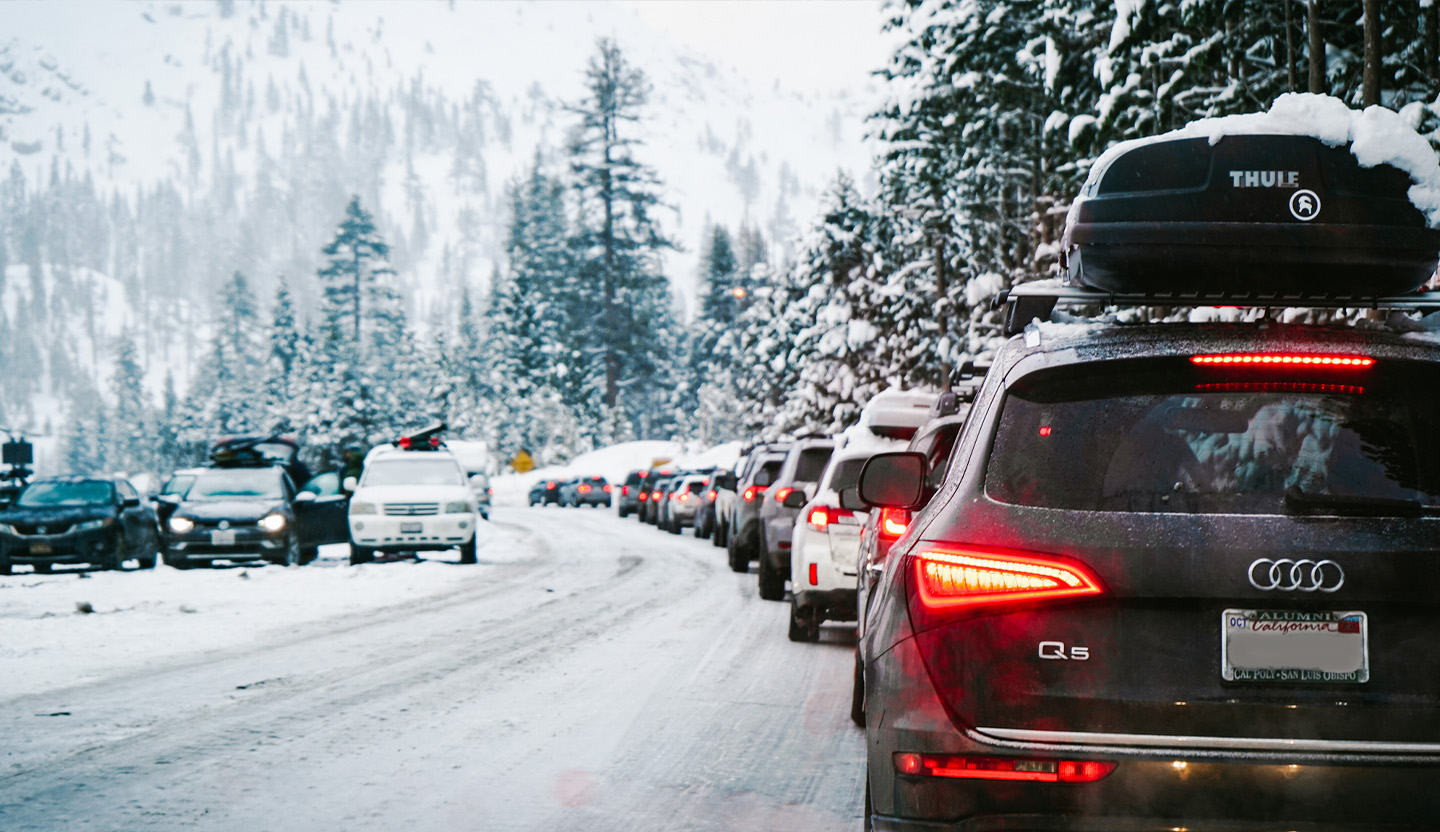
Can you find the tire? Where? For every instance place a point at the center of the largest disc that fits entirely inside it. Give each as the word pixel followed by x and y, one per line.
pixel 801 630
pixel 739 561
pixel 5 568
pixel 177 561
pixel 623 514
pixel 115 559
pixel 309 555
pixel 467 551
pixel 772 583
pixel 857 692
pixel 717 537
pixel 361 554
pixel 674 526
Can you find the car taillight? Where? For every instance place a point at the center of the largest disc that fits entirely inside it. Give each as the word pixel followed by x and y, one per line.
pixel 549 485
pixel 1275 359
pixel 656 495
pixel 582 489
pixel 782 494
pixel 684 496
pixel 749 495
pixel 608 489
pixel 894 521
pixel 1002 768
pixel 624 491
pixel 822 516
pixel 951 578
pixel 644 496
pixel 710 495
pixel 814 574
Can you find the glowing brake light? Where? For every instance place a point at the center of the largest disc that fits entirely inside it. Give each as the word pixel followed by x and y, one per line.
pixel 549 485
pixel 894 521
pixel 582 489
pixel 1275 359
pixel 1002 768
pixel 749 495
pixel 819 519
pixel 710 495
pixel 960 578
pixel 782 494
pixel 608 489
pixel 644 496
pixel 624 491
pixel 814 574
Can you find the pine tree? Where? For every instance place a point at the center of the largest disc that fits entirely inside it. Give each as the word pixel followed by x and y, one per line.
pixel 131 417
pixel 618 238
pixel 354 274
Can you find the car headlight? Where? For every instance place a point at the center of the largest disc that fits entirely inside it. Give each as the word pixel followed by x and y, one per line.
pixel 459 507
pixel 92 525
pixel 362 508
pixel 272 522
pixel 181 525
pixel 6 529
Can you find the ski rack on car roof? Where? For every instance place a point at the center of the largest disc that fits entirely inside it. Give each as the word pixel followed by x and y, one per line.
pixel 1026 302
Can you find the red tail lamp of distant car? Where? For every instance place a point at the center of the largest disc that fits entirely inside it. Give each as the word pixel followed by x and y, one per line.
pixel 1329 361
pixel 609 488
pixel 822 516
pixel 1002 768
pixel 582 488
pixel 894 521
pixel 624 491
pixel 782 494
pixel 710 495
pixel 644 496
pixel 751 493
pixel 950 578
pixel 549 485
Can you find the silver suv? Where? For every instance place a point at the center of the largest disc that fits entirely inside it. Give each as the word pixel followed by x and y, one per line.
pixel 788 494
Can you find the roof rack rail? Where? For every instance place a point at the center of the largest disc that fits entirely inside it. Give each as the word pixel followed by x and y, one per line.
pixel 1029 301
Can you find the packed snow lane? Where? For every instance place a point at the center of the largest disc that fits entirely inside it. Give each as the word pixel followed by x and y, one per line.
pixel 593 674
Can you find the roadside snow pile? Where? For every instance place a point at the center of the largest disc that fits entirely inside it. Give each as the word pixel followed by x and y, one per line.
pixel 1376 136
pixel 612 463
pixel 721 456
pixel 137 619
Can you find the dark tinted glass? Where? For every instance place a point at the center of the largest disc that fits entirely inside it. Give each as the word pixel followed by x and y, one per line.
pixel 812 464
pixel 1171 439
pixel 73 493
pixel 847 474
pixel 696 487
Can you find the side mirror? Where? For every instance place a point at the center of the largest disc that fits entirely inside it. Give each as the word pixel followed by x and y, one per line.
pixel 305 497
pixel 762 479
pixel 795 499
pixel 850 499
pixel 349 484
pixel 168 499
pixel 130 502
pixel 894 480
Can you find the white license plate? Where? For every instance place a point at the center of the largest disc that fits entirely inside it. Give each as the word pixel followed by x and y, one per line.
pixel 412 528
pixel 1294 646
pixel 225 538
pixel 40 549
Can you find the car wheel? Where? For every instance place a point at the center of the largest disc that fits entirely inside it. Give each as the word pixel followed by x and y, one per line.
pixel 717 539
pixel 177 561
pixel 800 628
pixel 674 526
pixel 361 554
pixel 309 555
pixel 290 555
pixel 772 583
pixel 738 561
pixel 467 551
pixel 857 693
pixel 5 568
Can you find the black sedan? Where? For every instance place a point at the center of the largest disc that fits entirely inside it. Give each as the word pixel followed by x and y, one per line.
pixel 545 492
pixel 251 513
pixel 78 520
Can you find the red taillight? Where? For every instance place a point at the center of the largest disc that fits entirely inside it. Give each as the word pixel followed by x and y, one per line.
pixel 814 575
pixel 949 578
pixel 644 496
pixel 549 485
pixel 1275 359
pixel 1002 768
pixel 819 519
pixel 657 495
pixel 749 495
pixel 1279 387
pixel 582 489
pixel 404 443
pixel 608 489
pixel 434 441
pixel 684 496
pixel 894 521
pixel 489 491
pixel 710 495
pixel 624 491
pixel 782 494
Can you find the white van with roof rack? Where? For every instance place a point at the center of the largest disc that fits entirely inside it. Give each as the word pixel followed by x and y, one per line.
pixel 413 496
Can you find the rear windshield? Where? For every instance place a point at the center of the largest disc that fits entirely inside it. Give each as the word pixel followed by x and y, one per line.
pixel 812 464
pixel 696 487
pixel 847 474
pixel 1161 436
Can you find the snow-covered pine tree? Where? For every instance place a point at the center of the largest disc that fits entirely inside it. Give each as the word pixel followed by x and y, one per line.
pixel 131 417
pixel 283 364
pixel 629 319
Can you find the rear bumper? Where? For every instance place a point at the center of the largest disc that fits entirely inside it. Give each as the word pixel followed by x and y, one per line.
pixel 1230 786
pixel 832 604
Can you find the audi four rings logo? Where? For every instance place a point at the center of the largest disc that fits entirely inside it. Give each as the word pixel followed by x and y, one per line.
pixel 1289 575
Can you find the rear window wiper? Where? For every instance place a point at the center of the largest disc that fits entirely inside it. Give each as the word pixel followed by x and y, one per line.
pixel 1299 502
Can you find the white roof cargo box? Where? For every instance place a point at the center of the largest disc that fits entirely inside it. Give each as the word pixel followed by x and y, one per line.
pixel 897 414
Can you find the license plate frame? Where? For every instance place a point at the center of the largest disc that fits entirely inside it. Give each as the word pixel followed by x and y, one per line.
pixel 1327 647
pixel 41 549
pixel 222 537
pixel 412 528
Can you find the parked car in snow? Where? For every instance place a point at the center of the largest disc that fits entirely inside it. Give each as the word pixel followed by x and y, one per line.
pixel 100 521
pixel 412 497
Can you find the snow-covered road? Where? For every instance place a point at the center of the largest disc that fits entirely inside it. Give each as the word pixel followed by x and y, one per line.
pixel 590 674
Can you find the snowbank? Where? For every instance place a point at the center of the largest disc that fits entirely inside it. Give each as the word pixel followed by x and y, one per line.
pixel 1376 136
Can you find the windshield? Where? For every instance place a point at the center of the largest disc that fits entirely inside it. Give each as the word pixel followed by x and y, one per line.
pixel 82 493
pixel 1231 447
pixel 178 484
pixel 812 464
pixel 237 484
pixel 413 472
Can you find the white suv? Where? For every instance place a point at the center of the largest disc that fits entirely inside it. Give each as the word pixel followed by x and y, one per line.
pixel 412 501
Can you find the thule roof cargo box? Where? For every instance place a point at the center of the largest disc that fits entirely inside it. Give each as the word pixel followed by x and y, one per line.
pixel 1245 213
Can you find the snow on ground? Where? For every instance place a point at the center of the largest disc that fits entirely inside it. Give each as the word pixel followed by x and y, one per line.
pixel 170 612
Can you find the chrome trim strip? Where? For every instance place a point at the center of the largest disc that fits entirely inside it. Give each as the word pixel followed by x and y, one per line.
pixel 1216 743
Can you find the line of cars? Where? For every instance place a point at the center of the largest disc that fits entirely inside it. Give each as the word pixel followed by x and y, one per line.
pixel 410 496
pixel 592 490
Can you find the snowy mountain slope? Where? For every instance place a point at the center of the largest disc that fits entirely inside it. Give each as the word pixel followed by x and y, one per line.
pixel 136 93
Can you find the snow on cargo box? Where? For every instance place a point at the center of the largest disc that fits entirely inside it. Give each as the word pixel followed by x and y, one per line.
pixel 895 413
pixel 1310 198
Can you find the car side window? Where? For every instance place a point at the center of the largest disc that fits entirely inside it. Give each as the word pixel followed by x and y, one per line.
pixel 127 491
pixel 323 485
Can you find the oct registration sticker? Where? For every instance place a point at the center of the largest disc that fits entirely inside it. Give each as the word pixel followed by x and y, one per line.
pixel 1294 646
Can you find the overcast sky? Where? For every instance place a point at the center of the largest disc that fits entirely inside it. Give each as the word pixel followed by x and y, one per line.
pixel 811 44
